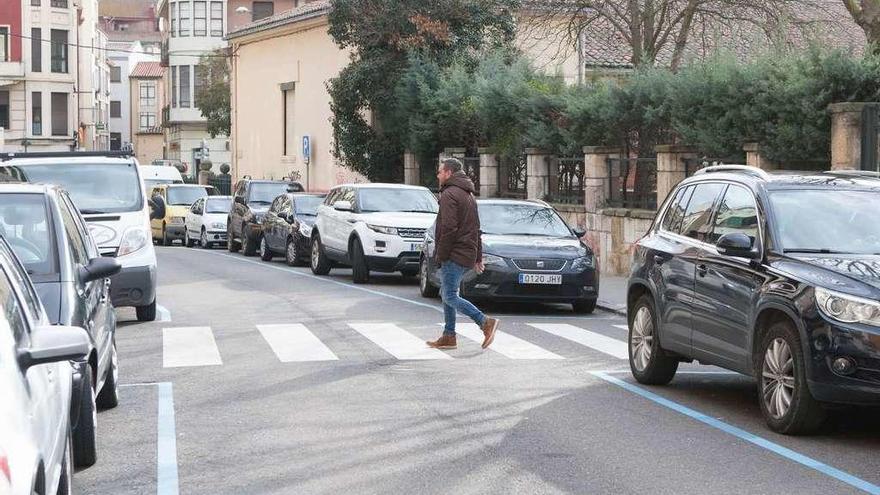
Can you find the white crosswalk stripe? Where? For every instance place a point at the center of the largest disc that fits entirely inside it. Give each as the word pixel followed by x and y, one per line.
pixel 599 342
pixel 189 346
pixel 294 342
pixel 397 341
pixel 622 327
pixel 505 344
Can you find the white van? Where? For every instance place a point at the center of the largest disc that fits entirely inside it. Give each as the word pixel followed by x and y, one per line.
pixel 109 192
pixel 154 175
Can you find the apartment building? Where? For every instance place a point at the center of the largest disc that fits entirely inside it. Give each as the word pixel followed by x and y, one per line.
pixel 148 90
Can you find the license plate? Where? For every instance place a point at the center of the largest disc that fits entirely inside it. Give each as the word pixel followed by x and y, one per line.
pixel 540 279
pixel 416 246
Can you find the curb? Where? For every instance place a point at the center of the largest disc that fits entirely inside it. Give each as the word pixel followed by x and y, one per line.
pixel 610 307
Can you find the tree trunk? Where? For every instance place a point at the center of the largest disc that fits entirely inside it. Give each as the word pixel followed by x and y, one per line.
pixel 866 13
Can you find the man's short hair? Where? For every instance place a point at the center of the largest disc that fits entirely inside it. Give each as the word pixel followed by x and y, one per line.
pixel 451 164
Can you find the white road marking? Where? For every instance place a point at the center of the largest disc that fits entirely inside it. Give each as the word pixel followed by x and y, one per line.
pixel 506 344
pixel 294 342
pixel 622 327
pixel 397 341
pixel 164 314
pixel 599 342
pixel 189 346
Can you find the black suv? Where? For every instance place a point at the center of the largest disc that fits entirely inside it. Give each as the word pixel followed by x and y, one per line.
pixel 773 276
pixel 250 202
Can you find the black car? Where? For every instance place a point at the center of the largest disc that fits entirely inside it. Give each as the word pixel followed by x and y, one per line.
pixel 773 276
pixel 250 202
pixel 287 227
pixel 530 255
pixel 50 239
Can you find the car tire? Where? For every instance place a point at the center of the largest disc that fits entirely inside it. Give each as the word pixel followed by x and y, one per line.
pixel 146 313
pixel 186 240
pixel 778 384
pixel 203 240
pixel 319 262
pixel 65 479
pixel 360 271
pixel 292 255
pixel 248 246
pixel 648 362
pixel 426 288
pixel 166 241
pixel 584 307
pixel 231 244
pixel 108 397
pixel 265 253
pixel 85 435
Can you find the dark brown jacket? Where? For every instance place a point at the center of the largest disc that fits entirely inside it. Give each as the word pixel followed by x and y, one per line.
pixel 458 225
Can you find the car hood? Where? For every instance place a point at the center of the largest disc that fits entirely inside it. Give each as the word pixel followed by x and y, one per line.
pixel 399 219
pixel 851 274
pixel 107 228
pixel 307 219
pixel 50 295
pixel 520 246
pixel 176 211
pixel 210 218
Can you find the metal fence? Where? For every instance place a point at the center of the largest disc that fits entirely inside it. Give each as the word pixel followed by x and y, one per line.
pixel 223 184
pixel 632 182
pixel 567 180
pixel 512 176
pixel 472 169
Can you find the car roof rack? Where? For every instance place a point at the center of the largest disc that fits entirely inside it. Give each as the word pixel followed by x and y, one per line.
pixel 854 173
pixel 746 169
pixel 66 154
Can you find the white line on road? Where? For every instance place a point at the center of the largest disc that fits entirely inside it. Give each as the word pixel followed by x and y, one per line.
pixel 506 344
pixel 294 342
pixel 622 327
pixel 164 314
pixel 189 346
pixel 599 342
pixel 167 482
pixel 397 341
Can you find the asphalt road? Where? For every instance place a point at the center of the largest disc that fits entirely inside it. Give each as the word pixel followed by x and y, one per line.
pixel 218 400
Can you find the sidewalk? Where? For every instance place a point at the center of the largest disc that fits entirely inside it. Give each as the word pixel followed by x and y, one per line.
pixel 612 293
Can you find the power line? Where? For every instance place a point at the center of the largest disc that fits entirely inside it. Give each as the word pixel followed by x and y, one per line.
pixel 117 50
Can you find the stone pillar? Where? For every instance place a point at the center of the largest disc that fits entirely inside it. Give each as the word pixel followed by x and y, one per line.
pixel 754 158
pixel 846 135
pixel 411 173
pixel 596 175
pixel 537 173
pixel 670 167
pixel 488 173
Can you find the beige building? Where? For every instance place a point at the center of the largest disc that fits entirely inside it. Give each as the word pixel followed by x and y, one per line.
pixel 147 100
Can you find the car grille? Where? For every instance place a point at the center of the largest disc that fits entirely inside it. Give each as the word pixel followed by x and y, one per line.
pixel 536 264
pixel 412 233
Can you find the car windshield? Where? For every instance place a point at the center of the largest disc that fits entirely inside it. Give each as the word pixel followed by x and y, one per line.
pixel 94 187
pixel 186 195
pixel 24 223
pixel 218 205
pixel 308 205
pixel 266 192
pixel 402 200
pixel 519 219
pixel 827 221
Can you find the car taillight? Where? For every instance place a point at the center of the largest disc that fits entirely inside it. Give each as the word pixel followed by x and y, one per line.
pixel 4 467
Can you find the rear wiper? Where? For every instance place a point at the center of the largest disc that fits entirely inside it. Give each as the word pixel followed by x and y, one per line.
pixel 814 250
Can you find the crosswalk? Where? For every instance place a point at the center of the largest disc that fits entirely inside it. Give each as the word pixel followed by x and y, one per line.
pixel 295 342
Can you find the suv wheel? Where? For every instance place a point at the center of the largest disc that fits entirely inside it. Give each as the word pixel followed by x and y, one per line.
pixel 248 246
pixel 265 253
pixel 231 244
pixel 85 442
pixel 647 361
pixel 360 272
pixel 785 400
pixel 320 263
pixel 426 288
pixel 146 313
pixel 292 254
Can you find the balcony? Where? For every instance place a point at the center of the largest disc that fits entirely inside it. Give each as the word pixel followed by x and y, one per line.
pixel 11 70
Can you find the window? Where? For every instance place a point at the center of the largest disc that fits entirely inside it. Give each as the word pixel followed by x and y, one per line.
pixel 4 109
pixel 115 109
pixel 148 121
pixel 59 114
pixel 261 10
pixel 37 113
pixel 174 87
pixel 696 222
pixel 288 137
pixel 675 211
pixel 35 3
pixel 148 95
pixel 174 16
pixel 19 273
pixel 36 50
pixel 11 309
pixel 737 212
pixel 199 75
pixel 115 74
pixel 59 51
pixel 87 240
pixel 78 252
pixel 25 222
pixel 185 18
pixel 185 87
pixel 61 4
pixel 216 18
pixel 200 18
pixel 4 43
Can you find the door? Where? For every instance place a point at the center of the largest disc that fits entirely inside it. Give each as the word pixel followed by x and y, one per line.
pixel 193 222
pixel 283 224
pixel 726 287
pixel 337 224
pixel 270 223
pixel 237 211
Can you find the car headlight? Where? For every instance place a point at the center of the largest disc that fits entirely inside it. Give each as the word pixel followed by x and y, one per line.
pixel 582 263
pixel 218 225
pixel 847 309
pixel 134 239
pixel 305 229
pixel 176 221
pixel 491 259
pixel 383 230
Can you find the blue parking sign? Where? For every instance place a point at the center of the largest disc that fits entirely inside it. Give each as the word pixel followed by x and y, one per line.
pixel 307 149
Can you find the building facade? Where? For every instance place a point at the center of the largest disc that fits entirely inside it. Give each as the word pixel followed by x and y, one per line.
pixel 148 98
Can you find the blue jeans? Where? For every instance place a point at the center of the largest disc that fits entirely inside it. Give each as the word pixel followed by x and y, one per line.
pixel 452 273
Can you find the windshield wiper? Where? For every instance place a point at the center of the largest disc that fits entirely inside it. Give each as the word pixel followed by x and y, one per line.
pixel 814 251
pixel 87 211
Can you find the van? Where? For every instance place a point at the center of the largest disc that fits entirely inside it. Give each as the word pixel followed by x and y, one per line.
pixel 108 189
pixel 155 175
pixel 177 200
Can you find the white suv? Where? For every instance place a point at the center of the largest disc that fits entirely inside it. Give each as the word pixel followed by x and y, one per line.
pixel 378 227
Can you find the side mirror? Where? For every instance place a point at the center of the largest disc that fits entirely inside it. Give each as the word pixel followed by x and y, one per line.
pixel 737 244
pixel 240 200
pixel 342 206
pixel 157 208
pixel 99 268
pixel 55 344
pixel 579 232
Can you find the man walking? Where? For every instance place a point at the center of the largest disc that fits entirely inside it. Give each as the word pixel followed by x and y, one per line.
pixel 459 248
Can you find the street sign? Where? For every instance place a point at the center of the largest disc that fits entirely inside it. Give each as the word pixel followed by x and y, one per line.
pixel 307 149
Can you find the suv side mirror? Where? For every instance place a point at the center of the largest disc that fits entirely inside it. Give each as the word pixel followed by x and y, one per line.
pixel 342 206
pixel 53 344
pixel 579 232
pixel 737 244
pixel 99 268
pixel 157 208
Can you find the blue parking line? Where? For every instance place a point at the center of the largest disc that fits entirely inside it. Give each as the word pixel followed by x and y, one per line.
pixel 744 435
pixel 167 443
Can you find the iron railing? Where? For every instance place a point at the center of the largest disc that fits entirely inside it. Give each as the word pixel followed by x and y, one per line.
pixel 632 183
pixel 222 183
pixel 512 176
pixel 472 169
pixel 567 180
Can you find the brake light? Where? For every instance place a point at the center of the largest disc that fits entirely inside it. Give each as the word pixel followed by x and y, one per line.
pixel 4 467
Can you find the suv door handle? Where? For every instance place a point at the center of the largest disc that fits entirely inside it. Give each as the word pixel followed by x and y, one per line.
pixel 702 270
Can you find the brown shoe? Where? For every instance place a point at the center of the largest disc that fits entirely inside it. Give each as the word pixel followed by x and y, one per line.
pixel 444 342
pixel 489 327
